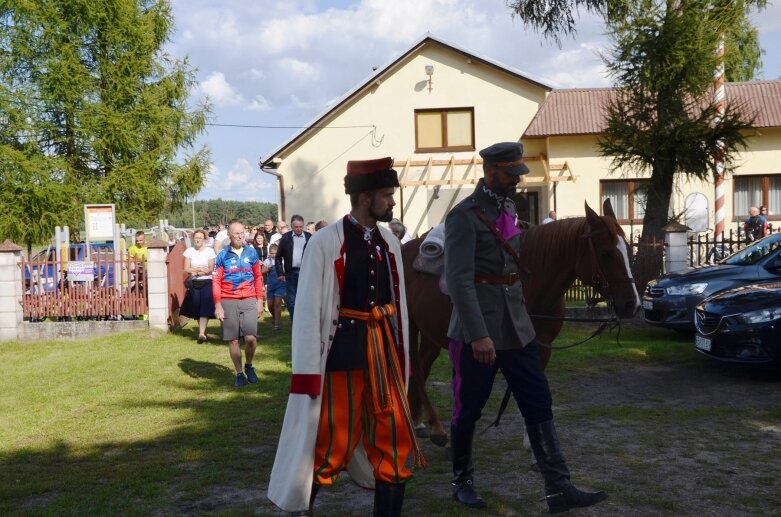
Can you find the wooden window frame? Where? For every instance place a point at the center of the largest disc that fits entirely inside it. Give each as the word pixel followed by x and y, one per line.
pixel 736 217
pixel 443 120
pixel 630 187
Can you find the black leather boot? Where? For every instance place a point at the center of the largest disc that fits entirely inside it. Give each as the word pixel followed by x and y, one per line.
pixel 309 512
pixel 463 469
pixel 388 498
pixel 561 495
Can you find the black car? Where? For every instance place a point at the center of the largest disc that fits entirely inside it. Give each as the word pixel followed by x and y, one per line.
pixel 669 301
pixel 741 325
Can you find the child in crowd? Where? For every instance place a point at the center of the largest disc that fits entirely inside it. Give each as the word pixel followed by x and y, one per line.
pixel 275 290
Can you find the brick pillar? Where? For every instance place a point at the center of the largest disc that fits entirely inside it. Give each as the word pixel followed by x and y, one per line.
pixel 10 291
pixel 157 284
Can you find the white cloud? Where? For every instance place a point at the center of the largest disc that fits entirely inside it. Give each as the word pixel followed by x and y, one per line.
pixel 280 62
pixel 220 92
pixel 301 69
pixel 240 175
pixel 255 74
pixel 579 67
pixel 259 103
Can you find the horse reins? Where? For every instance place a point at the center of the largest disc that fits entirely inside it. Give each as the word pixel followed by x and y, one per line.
pixel 598 280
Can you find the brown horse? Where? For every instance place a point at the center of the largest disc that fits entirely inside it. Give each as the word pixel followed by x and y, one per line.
pixel 592 248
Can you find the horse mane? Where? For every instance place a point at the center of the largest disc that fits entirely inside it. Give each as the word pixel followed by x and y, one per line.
pixel 563 236
pixel 539 241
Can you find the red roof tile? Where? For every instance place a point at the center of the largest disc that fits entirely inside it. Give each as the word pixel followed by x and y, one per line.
pixel 580 111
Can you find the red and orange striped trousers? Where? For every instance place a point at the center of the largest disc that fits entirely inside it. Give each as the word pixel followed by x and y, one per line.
pixel 346 416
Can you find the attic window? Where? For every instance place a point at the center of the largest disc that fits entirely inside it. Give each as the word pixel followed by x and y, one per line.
pixel 450 129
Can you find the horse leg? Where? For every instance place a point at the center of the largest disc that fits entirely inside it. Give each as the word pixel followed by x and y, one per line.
pixel 417 382
pixel 428 353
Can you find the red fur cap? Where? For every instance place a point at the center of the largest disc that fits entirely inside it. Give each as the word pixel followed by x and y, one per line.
pixel 367 175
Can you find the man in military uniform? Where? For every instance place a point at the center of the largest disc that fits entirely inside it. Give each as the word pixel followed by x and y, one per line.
pixel 490 329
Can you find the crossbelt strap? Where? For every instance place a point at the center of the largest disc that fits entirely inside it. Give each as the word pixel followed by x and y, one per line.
pixel 379 383
pixel 502 241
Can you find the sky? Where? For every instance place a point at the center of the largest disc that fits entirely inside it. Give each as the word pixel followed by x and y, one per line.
pixel 280 63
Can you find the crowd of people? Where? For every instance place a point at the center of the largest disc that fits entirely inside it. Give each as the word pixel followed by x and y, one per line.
pixel 279 248
pixel 278 251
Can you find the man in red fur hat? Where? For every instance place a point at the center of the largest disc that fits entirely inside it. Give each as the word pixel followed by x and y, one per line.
pixel 347 407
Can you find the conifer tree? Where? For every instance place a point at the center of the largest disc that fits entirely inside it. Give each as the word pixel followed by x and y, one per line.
pixel 92 110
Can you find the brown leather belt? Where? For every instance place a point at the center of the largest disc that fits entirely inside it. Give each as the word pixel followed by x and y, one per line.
pixel 498 279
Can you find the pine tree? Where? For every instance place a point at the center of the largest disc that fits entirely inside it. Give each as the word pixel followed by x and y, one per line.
pixel 93 111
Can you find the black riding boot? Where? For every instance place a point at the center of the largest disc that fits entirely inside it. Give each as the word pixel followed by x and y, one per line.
pixel 463 469
pixel 388 498
pixel 309 512
pixel 561 495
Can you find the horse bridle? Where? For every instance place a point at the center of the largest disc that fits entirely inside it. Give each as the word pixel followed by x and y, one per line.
pixel 599 279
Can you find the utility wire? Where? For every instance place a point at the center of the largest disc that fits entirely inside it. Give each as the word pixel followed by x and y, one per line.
pixel 252 126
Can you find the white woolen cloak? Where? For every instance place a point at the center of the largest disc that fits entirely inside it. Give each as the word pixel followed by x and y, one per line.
pixel 317 306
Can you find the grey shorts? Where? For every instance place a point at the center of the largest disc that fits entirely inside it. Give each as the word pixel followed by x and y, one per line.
pixel 241 318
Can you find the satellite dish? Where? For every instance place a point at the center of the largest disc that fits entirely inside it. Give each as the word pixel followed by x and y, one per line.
pixel 695 208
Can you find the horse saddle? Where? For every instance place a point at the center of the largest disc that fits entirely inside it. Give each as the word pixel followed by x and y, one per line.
pixel 432 266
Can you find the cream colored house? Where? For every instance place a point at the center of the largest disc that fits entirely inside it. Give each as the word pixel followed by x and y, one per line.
pixel 434 107
pixel 431 124
pixel 566 130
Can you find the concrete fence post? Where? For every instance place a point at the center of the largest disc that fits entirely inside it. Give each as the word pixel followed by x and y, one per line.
pixel 10 291
pixel 157 284
pixel 676 249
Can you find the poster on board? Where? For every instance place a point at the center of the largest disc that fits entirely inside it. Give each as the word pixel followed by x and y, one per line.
pixel 99 222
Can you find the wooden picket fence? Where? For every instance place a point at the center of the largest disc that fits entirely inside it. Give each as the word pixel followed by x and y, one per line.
pixel 48 292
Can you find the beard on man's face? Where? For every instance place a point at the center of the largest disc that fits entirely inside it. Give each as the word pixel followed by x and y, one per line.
pixel 383 217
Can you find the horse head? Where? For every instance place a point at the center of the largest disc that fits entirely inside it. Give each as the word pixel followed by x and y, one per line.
pixel 603 261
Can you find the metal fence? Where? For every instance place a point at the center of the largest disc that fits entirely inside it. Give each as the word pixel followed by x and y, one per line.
pixel 705 248
pixel 102 288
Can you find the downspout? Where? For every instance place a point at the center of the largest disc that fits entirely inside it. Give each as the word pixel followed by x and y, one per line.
pixel 281 181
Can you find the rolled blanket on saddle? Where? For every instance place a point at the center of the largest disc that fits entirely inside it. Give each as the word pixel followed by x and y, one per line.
pixel 433 245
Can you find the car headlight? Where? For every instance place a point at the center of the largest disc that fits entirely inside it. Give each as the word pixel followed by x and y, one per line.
pixel 760 316
pixel 686 289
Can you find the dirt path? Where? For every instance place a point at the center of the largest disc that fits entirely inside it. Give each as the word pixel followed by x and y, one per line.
pixel 663 439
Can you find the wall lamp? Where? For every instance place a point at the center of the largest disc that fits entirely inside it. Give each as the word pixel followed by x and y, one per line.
pixel 429 73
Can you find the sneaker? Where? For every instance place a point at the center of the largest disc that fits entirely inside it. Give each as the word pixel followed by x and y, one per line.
pixel 241 381
pixel 277 328
pixel 252 377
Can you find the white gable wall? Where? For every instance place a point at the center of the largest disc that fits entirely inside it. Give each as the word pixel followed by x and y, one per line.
pixel 314 168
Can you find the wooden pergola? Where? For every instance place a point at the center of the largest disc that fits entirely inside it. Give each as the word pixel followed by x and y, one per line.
pixel 553 173
pixel 457 172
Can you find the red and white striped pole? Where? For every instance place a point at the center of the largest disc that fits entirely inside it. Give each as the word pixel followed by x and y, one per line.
pixel 719 99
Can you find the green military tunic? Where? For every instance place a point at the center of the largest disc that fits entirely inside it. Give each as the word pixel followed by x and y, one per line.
pixel 483 309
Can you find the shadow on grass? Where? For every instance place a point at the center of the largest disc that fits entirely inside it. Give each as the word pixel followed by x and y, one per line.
pixel 204 370
pixel 214 452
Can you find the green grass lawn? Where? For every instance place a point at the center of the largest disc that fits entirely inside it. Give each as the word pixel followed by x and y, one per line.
pixel 146 423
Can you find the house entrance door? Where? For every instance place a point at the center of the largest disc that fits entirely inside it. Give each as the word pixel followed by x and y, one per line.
pixel 528 206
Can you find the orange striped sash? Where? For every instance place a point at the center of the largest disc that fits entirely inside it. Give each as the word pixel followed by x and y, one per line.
pixel 377 323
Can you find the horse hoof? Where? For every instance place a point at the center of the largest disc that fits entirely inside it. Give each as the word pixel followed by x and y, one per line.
pixel 439 440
